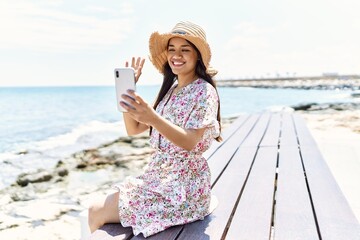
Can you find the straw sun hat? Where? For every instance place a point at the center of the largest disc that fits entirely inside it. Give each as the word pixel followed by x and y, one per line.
pixel 158 44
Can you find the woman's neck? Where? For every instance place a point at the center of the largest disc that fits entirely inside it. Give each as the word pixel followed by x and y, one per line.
pixel 184 80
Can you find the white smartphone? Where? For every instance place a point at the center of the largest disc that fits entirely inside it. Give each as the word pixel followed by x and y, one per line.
pixel 124 80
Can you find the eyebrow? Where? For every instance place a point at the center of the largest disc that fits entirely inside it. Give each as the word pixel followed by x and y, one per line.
pixel 185 45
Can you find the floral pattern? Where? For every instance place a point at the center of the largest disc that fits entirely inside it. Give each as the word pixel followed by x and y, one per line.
pixel 175 187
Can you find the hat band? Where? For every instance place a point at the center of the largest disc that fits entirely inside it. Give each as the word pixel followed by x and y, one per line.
pixel 180 32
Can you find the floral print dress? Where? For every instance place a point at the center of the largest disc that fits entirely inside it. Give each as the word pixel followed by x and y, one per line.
pixel 175 187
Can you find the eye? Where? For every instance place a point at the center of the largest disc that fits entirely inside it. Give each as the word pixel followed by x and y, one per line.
pixel 171 49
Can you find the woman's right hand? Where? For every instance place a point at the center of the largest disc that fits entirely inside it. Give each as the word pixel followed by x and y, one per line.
pixel 137 66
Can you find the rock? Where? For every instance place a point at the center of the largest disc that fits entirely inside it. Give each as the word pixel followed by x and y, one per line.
pixel 126 139
pixel 81 165
pixel 24 194
pixel 59 163
pixel 355 94
pixel 303 106
pixel 62 172
pixel 40 176
pixel 140 143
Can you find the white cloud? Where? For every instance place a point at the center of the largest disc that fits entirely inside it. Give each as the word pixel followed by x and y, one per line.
pixel 45 27
pixel 255 50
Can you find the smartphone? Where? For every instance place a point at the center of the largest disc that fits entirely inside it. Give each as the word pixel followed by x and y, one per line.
pixel 124 80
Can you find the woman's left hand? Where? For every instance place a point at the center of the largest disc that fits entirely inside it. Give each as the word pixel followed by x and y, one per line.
pixel 137 65
pixel 138 109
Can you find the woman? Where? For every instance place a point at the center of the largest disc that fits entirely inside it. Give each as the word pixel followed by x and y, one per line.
pixel 175 188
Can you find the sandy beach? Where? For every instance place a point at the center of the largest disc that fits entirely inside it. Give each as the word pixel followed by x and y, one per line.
pixel 46 204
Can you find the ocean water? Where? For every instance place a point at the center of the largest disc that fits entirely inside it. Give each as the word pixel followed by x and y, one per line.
pixel 41 125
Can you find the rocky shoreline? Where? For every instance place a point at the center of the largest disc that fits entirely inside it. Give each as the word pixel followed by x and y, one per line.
pixel 296 83
pixel 343 114
pixel 55 197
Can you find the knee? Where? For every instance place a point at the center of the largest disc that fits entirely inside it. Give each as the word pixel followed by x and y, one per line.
pixel 94 217
pixel 103 211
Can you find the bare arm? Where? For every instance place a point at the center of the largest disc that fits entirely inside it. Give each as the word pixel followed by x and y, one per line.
pixel 146 115
pixel 134 127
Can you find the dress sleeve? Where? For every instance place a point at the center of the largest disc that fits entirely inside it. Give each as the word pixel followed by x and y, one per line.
pixel 204 113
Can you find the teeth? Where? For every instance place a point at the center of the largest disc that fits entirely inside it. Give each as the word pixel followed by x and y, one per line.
pixel 178 63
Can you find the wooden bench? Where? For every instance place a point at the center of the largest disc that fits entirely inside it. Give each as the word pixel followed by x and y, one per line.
pixel 271 182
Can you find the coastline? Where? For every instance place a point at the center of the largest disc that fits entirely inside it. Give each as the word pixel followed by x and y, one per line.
pixel 60 194
pixel 317 83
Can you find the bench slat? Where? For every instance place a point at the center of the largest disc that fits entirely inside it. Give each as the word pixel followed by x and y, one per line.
pixel 303 134
pixel 227 190
pixel 219 160
pixel 334 215
pixel 294 218
pixel 252 219
pixel 288 134
pixel 112 231
pixel 335 218
pixel 257 132
pixel 169 234
pixel 271 137
pixel 226 134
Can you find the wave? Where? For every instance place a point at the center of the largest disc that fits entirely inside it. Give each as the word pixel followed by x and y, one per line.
pixel 46 153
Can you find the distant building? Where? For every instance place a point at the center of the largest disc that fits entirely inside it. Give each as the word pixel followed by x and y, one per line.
pixel 330 74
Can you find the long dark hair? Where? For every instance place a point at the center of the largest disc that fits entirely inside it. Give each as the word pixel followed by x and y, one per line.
pixel 200 71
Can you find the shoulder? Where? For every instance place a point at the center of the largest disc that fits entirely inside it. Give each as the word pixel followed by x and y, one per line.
pixel 204 89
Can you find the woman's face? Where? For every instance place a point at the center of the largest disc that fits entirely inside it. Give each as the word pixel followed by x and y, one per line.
pixel 181 56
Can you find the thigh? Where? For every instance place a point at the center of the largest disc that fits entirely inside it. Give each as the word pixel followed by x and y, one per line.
pixel 107 208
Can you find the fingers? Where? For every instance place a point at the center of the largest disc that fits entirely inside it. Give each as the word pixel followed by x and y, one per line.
pixel 133 62
pixel 126 106
pixel 133 100
pixel 142 62
pixel 135 97
pixel 138 63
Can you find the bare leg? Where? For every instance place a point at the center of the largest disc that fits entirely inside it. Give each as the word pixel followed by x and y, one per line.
pixel 104 211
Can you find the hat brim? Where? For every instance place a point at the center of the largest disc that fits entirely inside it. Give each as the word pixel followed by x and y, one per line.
pixel 158 48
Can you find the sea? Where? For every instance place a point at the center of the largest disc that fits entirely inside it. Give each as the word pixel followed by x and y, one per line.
pixel 41 125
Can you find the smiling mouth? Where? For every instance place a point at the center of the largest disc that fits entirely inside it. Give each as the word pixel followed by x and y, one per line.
pixel 177 64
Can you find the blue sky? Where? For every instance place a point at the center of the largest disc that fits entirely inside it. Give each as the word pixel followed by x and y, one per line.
pixel 78 42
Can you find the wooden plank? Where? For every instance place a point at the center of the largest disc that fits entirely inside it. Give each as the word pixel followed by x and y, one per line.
pixel 113 231
pixel 168 234
pixel 226 134
pixel 272 134
pixel 288 134
pixel 227 190
pixel 294 218
pixel 257 133
pixel 334 215
pixel 303 134
pixel 219 160
pixel 252 219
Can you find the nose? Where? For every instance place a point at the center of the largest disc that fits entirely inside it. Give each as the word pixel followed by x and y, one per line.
pixel 177 54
